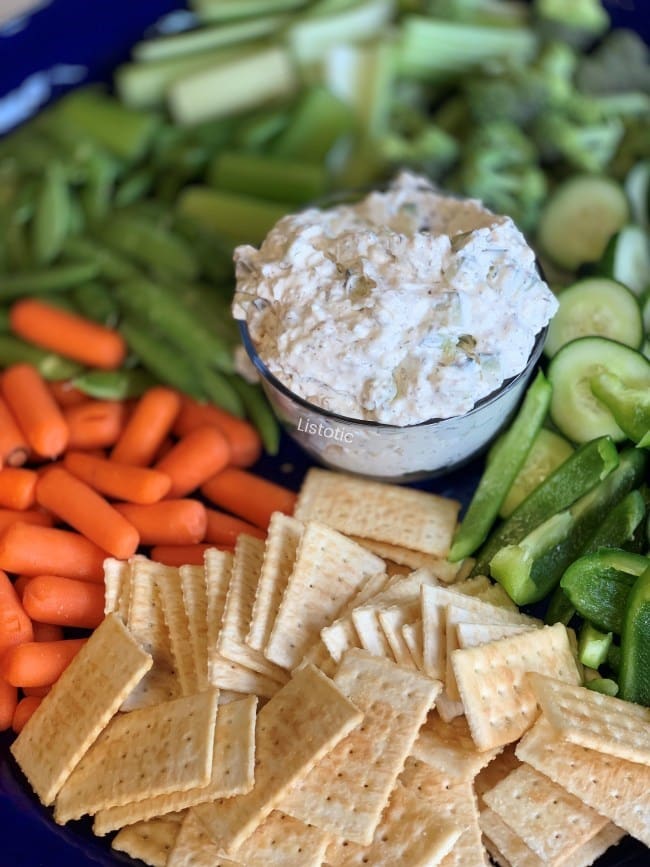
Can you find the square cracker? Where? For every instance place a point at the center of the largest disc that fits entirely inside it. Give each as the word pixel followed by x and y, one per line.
pixel 295 729
pixel 238 608
pixel 79 705
pixel 452 802
pixel 151 751
pixel 410 834
pixel 146 622
pixel 400 516
pixel 391 621
pixel 150 841
pixel 328 572
pixel 195 600
pixel 280 550
pixel 168 581
pixel 551 821
pixel 232 773
pixel 613 787
pixel 117 592
pixel 591 719
pixel 498 700
pixel 413 639
pixel 444 570
pixel 449 749
pixel 347 790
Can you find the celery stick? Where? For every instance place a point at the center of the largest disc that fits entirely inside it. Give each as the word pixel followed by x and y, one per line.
pixel 278 180
pixel 233 86
pixel 223 10
pixel 362 77
pixel 319 121
pixel 141 85
pixel 126 133
pixel 207 38
pixel 241 219
pixel 310 38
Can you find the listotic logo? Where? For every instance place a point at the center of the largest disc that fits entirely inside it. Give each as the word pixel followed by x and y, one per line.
pixel 328 432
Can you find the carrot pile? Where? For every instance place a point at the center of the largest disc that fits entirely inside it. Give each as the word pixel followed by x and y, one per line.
pixel 82 479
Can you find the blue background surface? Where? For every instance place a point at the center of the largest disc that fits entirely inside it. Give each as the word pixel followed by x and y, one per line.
pixel 97 35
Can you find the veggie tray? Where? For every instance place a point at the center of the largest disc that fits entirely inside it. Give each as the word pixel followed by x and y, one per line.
pixel 123 208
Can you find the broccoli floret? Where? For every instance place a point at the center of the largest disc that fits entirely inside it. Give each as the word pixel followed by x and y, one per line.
pixel 500 167
pixel 588 147
pixel 431 150
pixel 577 22
pixel 619 65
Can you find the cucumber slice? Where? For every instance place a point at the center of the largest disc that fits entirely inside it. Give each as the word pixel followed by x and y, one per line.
pixel 547 452
pixel 637 188
pixel 574 410
pixel 579 219
pixel 627 258
pixel 595 307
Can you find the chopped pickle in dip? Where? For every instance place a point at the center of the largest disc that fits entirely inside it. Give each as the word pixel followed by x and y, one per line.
pixel 406 306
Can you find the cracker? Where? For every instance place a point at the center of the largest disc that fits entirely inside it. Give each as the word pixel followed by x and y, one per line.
pixel 454 803
pixel 410 834
pixel 613 787
pixel 402 556
pixel 117 574
pixel 495 771
pixel 391 621
pixel 178 626
pixel 591 719
pixel 413 639
pixel 232 772
pixel 496 595
pixel 282 540
pixel 295 729
pixel 448 748
pixel 475 634
pixel 328 572
pixel 339 637
pixel 151 751
pixel 150 841
pixel 82 701
pixel 347 790
pixel 400 516
pixel 146 622
pixel 550 821
pixel 499 703
pixel 195 600
pixel 280 840
pixel 238 608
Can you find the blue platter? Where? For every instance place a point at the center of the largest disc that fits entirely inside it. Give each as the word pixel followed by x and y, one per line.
pixel 62 43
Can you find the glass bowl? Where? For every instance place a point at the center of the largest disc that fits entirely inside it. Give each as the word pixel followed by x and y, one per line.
pixel 388 452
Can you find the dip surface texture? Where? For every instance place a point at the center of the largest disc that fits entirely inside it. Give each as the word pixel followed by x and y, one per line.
pixel 404 307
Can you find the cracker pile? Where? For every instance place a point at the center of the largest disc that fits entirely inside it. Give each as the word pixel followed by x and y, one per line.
pixel 338 694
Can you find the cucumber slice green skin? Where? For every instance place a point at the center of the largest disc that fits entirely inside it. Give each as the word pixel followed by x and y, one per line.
pixel 548 451
pixel 598 307
pixel 574 409
pixel 627 259
pixel 579 219
pixel 637 188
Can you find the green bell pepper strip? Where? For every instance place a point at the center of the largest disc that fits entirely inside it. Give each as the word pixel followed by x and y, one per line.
pixel 579 473
pixel 619 528
pixel 604 685
pixel 598 585
pixel 529 570
pixel 634 674
pixel 501 470
pixel 593 645
pixel 560 608
pixel 629 406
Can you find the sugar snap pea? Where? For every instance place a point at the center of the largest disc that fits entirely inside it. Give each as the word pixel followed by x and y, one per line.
pixel 96 302
pixel 106 262
pixel 260 413
pixel 218 389
pixel 55 278
pixel 52 215
pixel 13 350
pixel 114 384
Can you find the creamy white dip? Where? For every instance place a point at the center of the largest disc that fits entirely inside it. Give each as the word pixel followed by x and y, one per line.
pixel 406 306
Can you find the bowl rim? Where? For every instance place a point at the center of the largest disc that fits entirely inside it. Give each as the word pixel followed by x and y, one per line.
pixel 491 398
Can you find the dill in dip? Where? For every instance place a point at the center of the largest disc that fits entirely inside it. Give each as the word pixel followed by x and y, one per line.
pixel 406 306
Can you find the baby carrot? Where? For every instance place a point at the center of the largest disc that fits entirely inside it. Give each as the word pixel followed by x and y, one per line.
pixel 65 393
pixel 223 529
pixel 39 663
pixel 249 496
pixel 8 702
pixel 48 631
pixel 26 516
pixel 180 555
pixel 67 333
pixel 32 550
pixel 194 459
pixel 64 601
pixel 24 710
pixel 120 481
pixel 244 441
pixel 95 424
pixel 37 690
pixel 15 624
pixel 85 510
pixel 35 410
pixel 147 427
pixel 19 586
pixel 17 488
pixel 14 449
pixel 169 522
